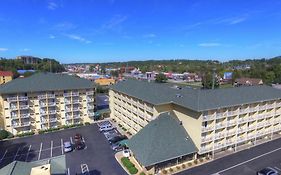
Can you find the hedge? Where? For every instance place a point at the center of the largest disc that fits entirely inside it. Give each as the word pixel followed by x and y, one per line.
pixel 87 123
pixel 142 173
pixel 26 134
pixel 129 165
pixel 4 134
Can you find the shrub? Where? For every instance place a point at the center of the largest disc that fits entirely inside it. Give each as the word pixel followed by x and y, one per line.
pixel 178 167
pixel 3 134
pixel 207 158
pixel 87 123
pixel 124 129
pixel 142 173
pixel 26 134
pixel 195 161
pixel 183 166
pixel 133 170
pixel 189 164
pixel 129 133
pixel 164 171
pixel 200 160
pixel 171 170
pixel 119 125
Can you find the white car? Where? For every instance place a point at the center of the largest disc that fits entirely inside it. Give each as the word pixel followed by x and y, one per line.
pixel 67 147
pixel 106 128
pixel 126 153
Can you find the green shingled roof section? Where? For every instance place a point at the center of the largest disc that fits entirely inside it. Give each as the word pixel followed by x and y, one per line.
pixel 45 82
pixel 58 166
pixel 160 140
pixel 196 99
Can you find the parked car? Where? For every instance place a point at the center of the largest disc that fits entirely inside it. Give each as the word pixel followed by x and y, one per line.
pixel 117 139
pixel 118 147
pixel 106 128
pixel 67 147
pixel 77 137
pixel 79 145
pixel 268 171
pixel 104 123
pixel 126 153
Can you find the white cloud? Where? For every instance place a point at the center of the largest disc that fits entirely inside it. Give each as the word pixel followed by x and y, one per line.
pixel 78 38
pixel 150 35
pixel 64 26
pixel 230 21
pixel 3 49
pixel 52 36
pixel 52 6
pixel 209 44
pixel 25 50
pixel 114 22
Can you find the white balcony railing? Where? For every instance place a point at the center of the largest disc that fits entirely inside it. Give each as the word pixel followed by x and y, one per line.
pixel 23 107
pixel 90 93
pixel 45 96
pixel 206 129
pixel 52 120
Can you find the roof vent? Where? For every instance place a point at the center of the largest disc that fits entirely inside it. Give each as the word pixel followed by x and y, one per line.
pixel 179 95
pixel 180 122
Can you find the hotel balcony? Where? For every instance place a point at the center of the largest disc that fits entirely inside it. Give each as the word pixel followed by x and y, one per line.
pixel 244 111
pixel 251 136
pixel 13 107
pixel 19 125
pixel 270 106
pixel 252 127
pixel 47 104
pixel 241 130
pixel 231 123
pixel 23 107
pixel 220 115
pixel 251 118
pixel 218 146
pixel 277 105
pixel 219 135
pixel 207 129
pixel 75 109
pixel 90 106
pixel 267 123
pixel 208 117
pixel 24 115
pixel 206 139
pixel 14 99
pixel 52 112
pixel 53 120
pixel 261 116
pixel 230 133
pixel 90 99
pixel 241 139
pixel 76 116
pixel 205 150
pixel 68 117
pixel 75 101
pixel 242 120
pixel 44 121
pixel 14 116
pixel 46 96
pixel 232 113
pixel 253 109
pixel 91 114
pixel 90 93
pixel 261 108
pixel 229 142
pixel 71 94
pixel 220 125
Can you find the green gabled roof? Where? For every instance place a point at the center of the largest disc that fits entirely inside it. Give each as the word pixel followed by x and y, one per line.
pixel 45 82
pixel 196 99
pixel 58 166
pixel 161 140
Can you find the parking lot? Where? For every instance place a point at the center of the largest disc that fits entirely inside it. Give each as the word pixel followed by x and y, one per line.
pixel 246 162
pixel 97 158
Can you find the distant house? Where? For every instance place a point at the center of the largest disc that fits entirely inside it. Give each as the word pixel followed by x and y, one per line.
pixel 105 81
pixel 248 82
pixel 5 76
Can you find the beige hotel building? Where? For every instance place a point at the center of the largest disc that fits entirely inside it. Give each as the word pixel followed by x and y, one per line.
pixel 45 100
pixel 214 120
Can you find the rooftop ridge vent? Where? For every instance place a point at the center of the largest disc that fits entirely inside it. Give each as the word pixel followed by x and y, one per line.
pixel 179 96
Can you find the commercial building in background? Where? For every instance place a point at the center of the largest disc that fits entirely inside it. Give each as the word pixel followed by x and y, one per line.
pixel 5 76
pixel 248 82
pixel 105 81
pixel 45 100
pixel 29 59
pixel 213 120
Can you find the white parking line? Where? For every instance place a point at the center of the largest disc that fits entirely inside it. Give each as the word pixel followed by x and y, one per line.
pixel 61 146
pixel 277 168
pixel 239 164
pixel 51 148
pixel 68 172
pixel 4 155
pixel 17 154
pixel 71 140
pixel 40 151
pixel 28 153
pixel 84 169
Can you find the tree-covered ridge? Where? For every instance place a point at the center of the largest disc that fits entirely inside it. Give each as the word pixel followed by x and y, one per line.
pixel 45 64
pixel 269 70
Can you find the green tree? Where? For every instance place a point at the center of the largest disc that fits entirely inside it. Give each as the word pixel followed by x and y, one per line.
pixel 114 73
pixel 160 78
pixel 207 81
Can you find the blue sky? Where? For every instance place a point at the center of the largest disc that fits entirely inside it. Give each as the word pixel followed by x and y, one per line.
pixel 120 30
